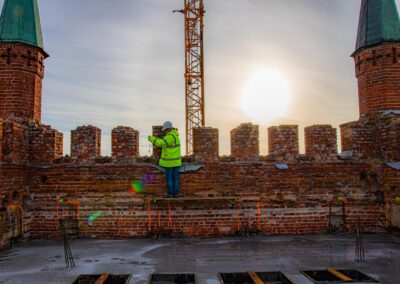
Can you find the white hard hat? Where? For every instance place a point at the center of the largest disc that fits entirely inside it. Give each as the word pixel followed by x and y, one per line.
pixel 167 125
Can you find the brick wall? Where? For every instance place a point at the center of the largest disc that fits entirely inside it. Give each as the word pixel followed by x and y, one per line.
pixel 85 143
pixel 272 201
pixel 16 148
pixel 321 142
pixel 46 144
pixel 253 194
pixel 205 144
pixel 388 140
pixel 373 137
pixel 125 144
pixel 245 142
pixel 29 143
pixel 15 214
pixel 21 74
pixel 157 132
pixel 378 74
pixel 1 139
pixel 283 142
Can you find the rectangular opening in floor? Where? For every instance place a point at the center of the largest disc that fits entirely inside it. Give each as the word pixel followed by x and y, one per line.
pixel 172 279
pixel 254 277
pixel 274 277
pixel 107 279
pixel 358 276
pixel 235 278
pixel 325 276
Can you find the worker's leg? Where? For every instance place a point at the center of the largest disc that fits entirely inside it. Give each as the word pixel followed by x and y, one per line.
pixel 170 181
pixel 176 181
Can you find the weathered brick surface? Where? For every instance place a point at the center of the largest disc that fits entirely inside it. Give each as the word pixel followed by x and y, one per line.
pixel 46 144
pixel 276 202
pixel 1 139
pixel 206 144
pixel 283 142
pixel 373 138
pixel 85 143
pixel 16 148
pixel 359 137
pixel 294 201
pixel 388 142
pixel 378 74
pixel 125 144
pixel 245 142
pixel 14 204
pixel 157 132
pixel 321 142
pixel 21 74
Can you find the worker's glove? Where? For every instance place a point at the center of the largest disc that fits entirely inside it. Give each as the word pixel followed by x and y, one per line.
pixel 151 139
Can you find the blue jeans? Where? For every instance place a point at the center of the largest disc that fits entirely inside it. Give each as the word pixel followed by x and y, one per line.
pixel 172 175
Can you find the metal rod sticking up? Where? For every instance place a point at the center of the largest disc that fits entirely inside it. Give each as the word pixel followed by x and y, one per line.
pixel 359 254
pixel 69 258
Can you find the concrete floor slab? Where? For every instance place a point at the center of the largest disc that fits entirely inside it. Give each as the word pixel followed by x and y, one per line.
pixel 43 261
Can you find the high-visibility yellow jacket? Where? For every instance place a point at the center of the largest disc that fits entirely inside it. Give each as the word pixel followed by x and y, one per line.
pixel 171 149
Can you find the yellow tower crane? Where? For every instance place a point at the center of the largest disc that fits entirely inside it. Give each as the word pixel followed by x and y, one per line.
pixel 194 68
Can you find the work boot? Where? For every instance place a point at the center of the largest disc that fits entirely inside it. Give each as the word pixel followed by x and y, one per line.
pixel 167 195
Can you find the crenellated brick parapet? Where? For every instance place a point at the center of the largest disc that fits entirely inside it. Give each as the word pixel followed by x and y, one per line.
pixel 30 143
pixel 321 142
pixel 206 144
pixel 245 142
pixel 283 142
pixel 125 144
pixel 85 143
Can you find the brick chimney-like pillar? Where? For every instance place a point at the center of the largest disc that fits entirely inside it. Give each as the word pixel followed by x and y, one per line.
pixel 85 143
pixel 205 144
pixel 283 142
pixel 245 142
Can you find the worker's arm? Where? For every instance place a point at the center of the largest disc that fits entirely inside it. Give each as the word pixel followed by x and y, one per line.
pixel 158 142
pixel 161 142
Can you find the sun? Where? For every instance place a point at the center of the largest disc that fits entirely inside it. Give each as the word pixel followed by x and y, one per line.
pixel 265 96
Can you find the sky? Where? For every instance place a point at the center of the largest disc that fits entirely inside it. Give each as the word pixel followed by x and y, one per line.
pixel 121 62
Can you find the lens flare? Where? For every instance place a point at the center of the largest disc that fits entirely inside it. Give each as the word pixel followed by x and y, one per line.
pixel 94 217
pixel 136 186
pixel 148 178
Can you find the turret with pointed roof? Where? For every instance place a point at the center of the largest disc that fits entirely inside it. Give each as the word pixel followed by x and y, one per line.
pixel 21 60
pixel 377 57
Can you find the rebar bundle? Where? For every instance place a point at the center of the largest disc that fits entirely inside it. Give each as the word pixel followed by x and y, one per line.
pixel 69 259
pixel 359 254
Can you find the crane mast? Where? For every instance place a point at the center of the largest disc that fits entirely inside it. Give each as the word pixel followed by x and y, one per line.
pixel 194 68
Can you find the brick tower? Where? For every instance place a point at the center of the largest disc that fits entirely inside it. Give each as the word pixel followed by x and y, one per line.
pixel 21 60
pixel 377 57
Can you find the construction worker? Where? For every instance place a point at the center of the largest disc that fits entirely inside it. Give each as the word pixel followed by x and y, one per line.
pixel 170 156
